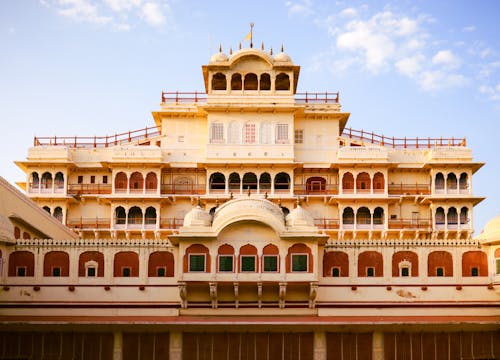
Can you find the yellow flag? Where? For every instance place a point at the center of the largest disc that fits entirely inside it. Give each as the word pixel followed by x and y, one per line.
pixel 248 37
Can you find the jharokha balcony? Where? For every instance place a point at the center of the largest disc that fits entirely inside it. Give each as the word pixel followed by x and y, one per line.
pixel 87 189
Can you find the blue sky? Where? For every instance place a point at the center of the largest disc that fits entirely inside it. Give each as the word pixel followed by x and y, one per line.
pixel 403 68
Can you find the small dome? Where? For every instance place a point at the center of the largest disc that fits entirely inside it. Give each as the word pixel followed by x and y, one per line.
pixel 197 217
pixel 282 57
pixel 6 229
pixel 299 217
pixel 218 57
pixel 491 232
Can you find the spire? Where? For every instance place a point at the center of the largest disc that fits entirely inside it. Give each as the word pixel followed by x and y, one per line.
pixel 239 46
pixel 282 48
pixel 220 48
pixel 271 51
pixel 262 46
pixel 231 50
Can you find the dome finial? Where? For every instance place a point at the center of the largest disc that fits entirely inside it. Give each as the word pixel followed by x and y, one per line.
pixel 231 50
pixel 262 46
pixel 239 46
pixel 220 48
pixel 282 48
pixel 271 51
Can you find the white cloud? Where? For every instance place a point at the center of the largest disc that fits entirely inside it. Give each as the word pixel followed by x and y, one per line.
pixel 303 8
pixel 469 28
pixel 446 58
pixel 492 92
pixel 349 12
pixel 122 5
pixel 153 14
pixel 81 11
pixel 410 66
pixel 438 79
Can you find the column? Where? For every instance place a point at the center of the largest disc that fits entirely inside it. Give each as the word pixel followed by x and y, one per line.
pixel 378 346
pixel 175 345
pixel 319 345
pixel 117 346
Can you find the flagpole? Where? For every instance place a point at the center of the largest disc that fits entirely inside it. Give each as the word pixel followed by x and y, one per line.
pixel 251 34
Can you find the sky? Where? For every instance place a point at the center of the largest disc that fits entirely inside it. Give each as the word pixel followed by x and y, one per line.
pixel 403 68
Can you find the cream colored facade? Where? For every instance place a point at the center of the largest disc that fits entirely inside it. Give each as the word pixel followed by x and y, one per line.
pixel 250 211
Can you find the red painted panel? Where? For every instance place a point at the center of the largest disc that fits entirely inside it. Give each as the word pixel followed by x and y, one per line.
pixel 56 259
pixel 471 259
pixel 404 255
pixel 22 259
pixel 440 259
pixel 128 259
pixel 226 249
pixel 370 259
pixel 161 259
pixel 333 259
pixel 96 256
pixel 270 249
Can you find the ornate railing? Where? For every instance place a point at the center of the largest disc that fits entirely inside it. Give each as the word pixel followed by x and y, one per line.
pixel 410 189
pixel 80 189
pixel 402 143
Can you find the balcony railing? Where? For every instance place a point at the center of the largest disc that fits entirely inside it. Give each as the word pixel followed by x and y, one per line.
pixel 190 189
pixel 415 224
pixel 82 189
pixel 410 189
pixel 326 224
pixel 98 141
pixel 317 97
pixel 89 223
pixel 402 143
pixel 329 189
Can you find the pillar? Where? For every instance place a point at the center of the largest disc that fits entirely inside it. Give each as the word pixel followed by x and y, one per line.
pixel 319 345
pixel 175 346
pixel 378 346
pixel 117 346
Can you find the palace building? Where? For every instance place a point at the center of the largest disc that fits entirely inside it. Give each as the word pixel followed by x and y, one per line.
pixel 249 222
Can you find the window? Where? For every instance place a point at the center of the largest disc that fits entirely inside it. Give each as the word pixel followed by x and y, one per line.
pixel 217 133
pixel 370 271
pixel 126 272
pixel 405 271
pixel 196 262
pixel 225 263
pixel 336 272
pixel 474 271
pixel 56 271
pixel 91 271
pixel 247 263
pixel 249 134
pixel 92 179
pixel 161 271
pixel 282 133
pixel 21 271
pixel 299 262
pixel 299 136
pixel 80 179
pixel 498 266
pixel 439 271
pixel 105 179
pixel 270 263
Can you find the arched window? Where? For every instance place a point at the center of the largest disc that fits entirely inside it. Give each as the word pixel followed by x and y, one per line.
pixel 282 181
pixel 196 259
pixel 151 182
pixel 150 216
pixel 474 263
pixel 282 82
pixel 315 185
pixel 136 182
pixel 233 133
pixel 251 82
pixel 348 183
pixel 464 181
pixel 120 182
pixel 26 236
pixel 363 182
pixel 265 133
pixel 439 182
pixel 464 216
pixel 120 215
pixel 370 264
pixel 134 216
pixel 17 233
pixel 265 181
pixel 161 264
pixel 336 260
pixel 56 263
pixel 247 260
pixel 225 258
pixel 439 263
pixel 217 181
pixel 219 81
pixel 126 264
pixel 58 213
pixel 46 181
pixel 378 182
pixel 348 216
pixel 47 209
pixel 91 264
pixel 452 217
pixel 440 217
pixel 299 259
pixel 216 133
pixel 402 260
pixel 250 181
pixel 234 181
pixel 270 258
pixel 378 216
pixel 265 81
pixel 35 180
pixel 59 180
pixel 363 216
pixel 451 181
pixel 236 82
pixel 21 263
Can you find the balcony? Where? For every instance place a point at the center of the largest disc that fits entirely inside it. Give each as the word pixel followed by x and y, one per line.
pixel 183 189
pixel 87 189
pixel 327 224
pixel 89 223
pixel 46 188
pixel 323 189
pixel 409 189
pixel 410 224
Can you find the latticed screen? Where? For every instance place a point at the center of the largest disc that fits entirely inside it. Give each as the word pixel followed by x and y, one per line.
pixel 196 262
pixel 299 262
pixel 270 263
pixel 282 133
pixel 225 263
pixel 249 133
pixel 248 263
pixel 217 132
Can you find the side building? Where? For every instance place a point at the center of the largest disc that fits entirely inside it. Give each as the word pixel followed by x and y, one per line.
pixel 251 223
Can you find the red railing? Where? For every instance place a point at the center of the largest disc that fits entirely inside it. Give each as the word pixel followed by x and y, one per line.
pixel 328 189
pixel 89 223
pixel 317 97
pixel 98 141
pixel 324 223
pixel 402 143
pixel 417 224
pixel 183 189
pixel 410 189
pixel 79 189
